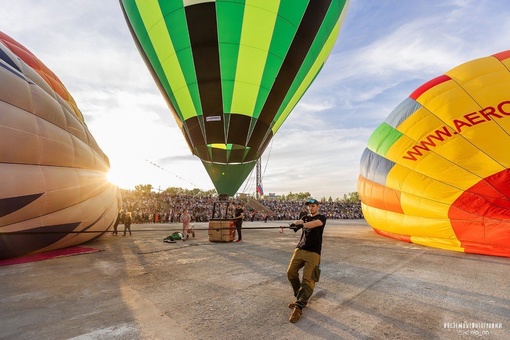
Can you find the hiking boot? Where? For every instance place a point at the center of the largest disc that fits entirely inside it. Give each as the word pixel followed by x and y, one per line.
pixel 296 315
pixel 292 305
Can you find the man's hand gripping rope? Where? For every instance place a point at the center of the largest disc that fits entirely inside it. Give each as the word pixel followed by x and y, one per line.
pixel 292 226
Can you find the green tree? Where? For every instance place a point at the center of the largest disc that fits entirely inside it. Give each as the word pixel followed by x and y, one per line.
pixel 301 196
pixel 172 191
pixel 351 197
pixel 144 188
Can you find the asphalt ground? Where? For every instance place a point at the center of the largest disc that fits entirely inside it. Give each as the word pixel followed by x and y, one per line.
pixel 140 287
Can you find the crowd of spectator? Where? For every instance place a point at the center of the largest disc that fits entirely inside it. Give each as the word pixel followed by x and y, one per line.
pixel 152 207
pixel 288 210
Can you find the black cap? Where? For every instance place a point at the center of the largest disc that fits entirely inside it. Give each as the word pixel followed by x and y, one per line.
pixel 312 201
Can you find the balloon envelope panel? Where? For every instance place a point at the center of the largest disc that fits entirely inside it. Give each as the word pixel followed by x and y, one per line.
pixel 231 71
pixel 436 172
pixel 54 192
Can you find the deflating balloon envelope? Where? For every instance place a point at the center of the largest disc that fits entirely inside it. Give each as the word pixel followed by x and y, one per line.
pixel 436 172
pixel 232 71
pixel 53 187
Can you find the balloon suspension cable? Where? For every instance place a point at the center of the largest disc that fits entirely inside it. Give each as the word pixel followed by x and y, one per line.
pixel 179 177
pixel 267 160
pixel 249 181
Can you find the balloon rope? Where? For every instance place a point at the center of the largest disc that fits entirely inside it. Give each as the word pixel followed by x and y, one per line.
pixel 121 230
pixel 267 160
pixel 249 182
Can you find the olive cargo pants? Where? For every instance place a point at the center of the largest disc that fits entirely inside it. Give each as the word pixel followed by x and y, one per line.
pixel 303 289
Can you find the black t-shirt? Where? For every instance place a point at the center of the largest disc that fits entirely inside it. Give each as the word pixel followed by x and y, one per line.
pixel 237 213
pixel 311 239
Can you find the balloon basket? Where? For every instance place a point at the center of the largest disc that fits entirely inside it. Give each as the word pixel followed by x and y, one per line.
pixel 221 230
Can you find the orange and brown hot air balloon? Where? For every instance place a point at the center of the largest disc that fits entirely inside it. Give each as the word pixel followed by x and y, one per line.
pixel 53 187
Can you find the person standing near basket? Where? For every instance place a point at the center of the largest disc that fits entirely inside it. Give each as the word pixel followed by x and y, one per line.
pixel 238 220
pixel 307 255
pixel 186 223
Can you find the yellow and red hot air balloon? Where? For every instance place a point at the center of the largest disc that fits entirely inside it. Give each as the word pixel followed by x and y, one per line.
pixel 53 187
pixel 232 71
pixel 437 171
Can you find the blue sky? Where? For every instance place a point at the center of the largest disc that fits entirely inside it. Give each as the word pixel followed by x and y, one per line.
pixel 386 49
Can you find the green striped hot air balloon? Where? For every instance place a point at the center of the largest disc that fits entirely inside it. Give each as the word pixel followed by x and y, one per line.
pixel 233 70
